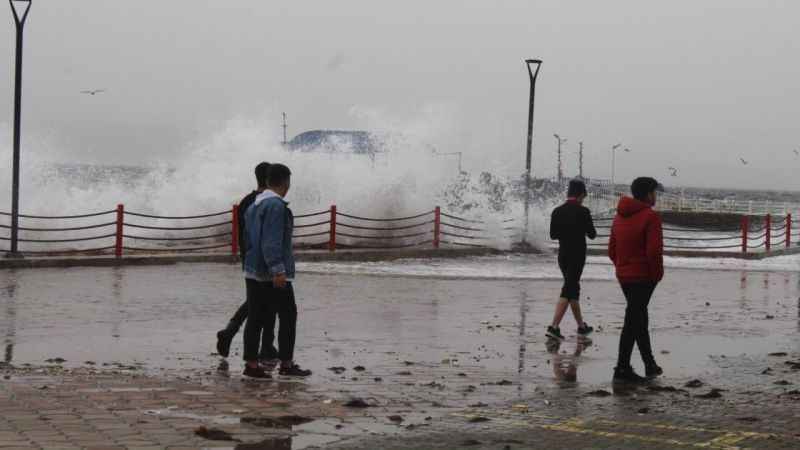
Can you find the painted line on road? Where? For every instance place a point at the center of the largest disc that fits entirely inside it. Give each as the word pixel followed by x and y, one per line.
pixel 727 439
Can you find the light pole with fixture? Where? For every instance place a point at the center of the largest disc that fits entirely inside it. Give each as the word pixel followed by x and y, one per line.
pixel 20 17
pixel 533 66
pixel 560 171
pixel 614 149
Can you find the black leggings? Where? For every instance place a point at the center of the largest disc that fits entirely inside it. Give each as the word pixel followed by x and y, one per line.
pixel 571 268
pixel 636 329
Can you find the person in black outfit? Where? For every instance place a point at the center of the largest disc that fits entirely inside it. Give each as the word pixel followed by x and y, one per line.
pixel 269 354
pixel 570 224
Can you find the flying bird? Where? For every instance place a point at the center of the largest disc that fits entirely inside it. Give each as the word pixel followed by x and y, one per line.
pixel 743 161
pixel 93 91
pixel 673 170
pixel 797 152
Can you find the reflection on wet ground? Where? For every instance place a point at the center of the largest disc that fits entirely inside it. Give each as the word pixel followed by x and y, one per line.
pixel 425 345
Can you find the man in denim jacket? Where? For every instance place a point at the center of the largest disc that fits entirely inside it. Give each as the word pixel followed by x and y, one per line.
pixel 269 273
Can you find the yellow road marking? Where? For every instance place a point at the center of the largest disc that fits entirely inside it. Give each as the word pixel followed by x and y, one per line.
pixel 727 440
pixel 577 426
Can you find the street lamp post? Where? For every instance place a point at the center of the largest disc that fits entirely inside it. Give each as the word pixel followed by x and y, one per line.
pixel 20 17
pixel 614 149
pixel 560 171
pixel 580 160
pixel 532 73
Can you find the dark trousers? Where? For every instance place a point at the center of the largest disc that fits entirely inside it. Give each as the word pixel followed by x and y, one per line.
pixel 238 318
pixel 636 328
pixel 571 265
pixel 265 302
pixel 268 350
pixel 260 323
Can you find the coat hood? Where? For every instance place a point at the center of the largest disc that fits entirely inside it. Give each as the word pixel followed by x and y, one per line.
pixel 628 206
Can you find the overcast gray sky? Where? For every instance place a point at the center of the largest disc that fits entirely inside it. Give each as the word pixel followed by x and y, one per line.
pixel 687 83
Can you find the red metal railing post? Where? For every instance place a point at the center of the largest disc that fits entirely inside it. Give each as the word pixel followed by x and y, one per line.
pixel 437 226
pixel 235 230
pixel 768 237
pixel 120 222
pixel 745 226
pixel 332 238
pixel 788 231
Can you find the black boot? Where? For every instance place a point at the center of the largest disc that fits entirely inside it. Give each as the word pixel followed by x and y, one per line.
pixel 224 340
pixel 627 375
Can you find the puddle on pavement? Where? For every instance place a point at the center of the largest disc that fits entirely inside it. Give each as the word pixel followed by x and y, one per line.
pixel 128 389
pixel 176 413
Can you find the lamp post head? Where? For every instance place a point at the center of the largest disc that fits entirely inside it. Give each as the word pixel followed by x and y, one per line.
pixel 20 15
pixel 537 63
pixel 616 146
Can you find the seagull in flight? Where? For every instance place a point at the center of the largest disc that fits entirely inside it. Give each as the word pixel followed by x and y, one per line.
pixel 743 161
pixel 673 170
pixel 93 91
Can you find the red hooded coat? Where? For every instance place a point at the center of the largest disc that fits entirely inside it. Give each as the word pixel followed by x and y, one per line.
pixel 636 245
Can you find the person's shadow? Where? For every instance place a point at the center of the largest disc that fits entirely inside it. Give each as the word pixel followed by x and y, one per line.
pixel 565 365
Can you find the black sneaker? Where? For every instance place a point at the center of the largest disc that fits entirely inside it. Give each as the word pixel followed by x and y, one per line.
pixel 652 370
pixel 554 333
pixel 293 371
pixel 627 375
pixel 224 340
pixel 585 330
pixel 256 372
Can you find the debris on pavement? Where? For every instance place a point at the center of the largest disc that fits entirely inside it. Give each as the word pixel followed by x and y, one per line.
pixel 713 393
pixel 598 393
pixel 694 384
pixel 213 434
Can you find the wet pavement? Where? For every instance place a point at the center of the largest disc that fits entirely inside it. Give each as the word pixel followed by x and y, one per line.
pixel 452 351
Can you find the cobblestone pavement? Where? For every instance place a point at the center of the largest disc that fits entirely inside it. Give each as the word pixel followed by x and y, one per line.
pixel 123 361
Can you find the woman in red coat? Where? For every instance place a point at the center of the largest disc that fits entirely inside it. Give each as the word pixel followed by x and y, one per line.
pixel 637 249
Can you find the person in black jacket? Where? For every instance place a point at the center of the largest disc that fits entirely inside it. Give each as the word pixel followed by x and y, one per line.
pixel 269 354
pixel 570 224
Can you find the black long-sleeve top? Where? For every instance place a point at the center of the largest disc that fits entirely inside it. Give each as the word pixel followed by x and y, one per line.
pixel 243 205
pixel 570 224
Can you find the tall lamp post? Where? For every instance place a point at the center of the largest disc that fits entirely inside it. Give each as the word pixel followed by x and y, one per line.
pixel 580 160
pixel 20 9
pixel 614 149
pixel 560 171
pixel 533 71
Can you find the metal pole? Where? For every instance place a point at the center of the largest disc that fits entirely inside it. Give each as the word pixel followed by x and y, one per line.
pixel 560 171
pixel 284 128
pixel 532 74
pixel 580 160
pixel 20 25
pixel 614 168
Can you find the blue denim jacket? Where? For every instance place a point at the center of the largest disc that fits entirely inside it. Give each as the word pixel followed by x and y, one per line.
pixel 269 225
